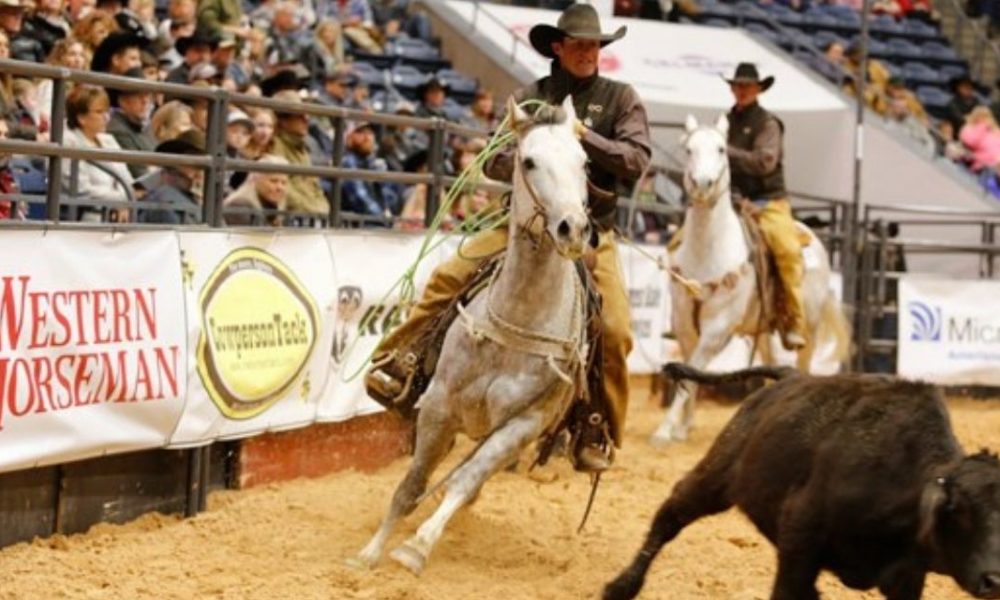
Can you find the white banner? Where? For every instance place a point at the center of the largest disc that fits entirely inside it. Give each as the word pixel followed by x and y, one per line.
pixel 948 334
pixel 649 302
pixel 368 267
pixel 92 347
pixel 260 323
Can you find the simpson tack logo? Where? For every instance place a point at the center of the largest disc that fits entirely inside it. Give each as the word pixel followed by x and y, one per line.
pixel 925 321
pixel 259 328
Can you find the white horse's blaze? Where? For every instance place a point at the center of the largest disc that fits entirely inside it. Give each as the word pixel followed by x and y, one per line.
pixel 495 392
pixel 714 248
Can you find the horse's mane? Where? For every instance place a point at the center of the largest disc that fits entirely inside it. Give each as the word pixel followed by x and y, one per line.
pixel 548 114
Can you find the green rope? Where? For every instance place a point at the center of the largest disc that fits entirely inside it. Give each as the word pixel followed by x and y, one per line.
pixel 468 179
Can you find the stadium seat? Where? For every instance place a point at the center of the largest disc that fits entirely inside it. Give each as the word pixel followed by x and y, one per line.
pixel 823 38
pixel 917 74
pixel 31 180
pixel 460 87
pixel 420 54
pixel 918 29
pixel 369 74
pixel 902 50
pixel 380 61
pixel 939 52
pixel 407 78
pixel 934 99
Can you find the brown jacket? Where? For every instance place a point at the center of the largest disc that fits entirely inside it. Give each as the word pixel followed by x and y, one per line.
pixel 304 193
pixel 755 153
pixel 617 138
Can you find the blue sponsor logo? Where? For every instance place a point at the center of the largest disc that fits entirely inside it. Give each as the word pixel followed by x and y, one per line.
pixel 925 322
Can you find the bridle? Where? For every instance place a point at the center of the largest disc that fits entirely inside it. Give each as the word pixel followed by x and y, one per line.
pixel 717 189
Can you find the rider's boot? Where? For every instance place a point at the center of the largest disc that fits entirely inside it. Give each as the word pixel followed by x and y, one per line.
pixel 593 452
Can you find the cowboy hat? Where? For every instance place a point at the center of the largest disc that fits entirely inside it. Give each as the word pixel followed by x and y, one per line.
pixel 191 141
pixel 432 82
pixel 286 78
pixel 114 43
pixel 198 38
pixel 133 73
pixel 747 73
pixel 578 21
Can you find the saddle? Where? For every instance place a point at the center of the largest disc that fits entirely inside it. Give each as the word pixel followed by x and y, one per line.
pixel 420 358
pixel 769 289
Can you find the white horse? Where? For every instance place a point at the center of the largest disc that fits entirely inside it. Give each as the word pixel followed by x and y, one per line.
pixel 724 302
pixel 510 365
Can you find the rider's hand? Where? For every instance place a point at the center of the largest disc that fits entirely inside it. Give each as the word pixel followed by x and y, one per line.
pixel 579 129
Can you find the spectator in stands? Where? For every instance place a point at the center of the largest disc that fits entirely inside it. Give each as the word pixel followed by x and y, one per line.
pixel 129 115
pixel 22 45
pixel 432 94
pixel 254 202
pixel 67 53
pixel 24 114
pixel 324 56
pixel 291 129
pixel 370 198
pixel 414 212
pixel 403 141
pixel 177 193
pixel 360 97
pixel 483 112
pixel 896 89
pixel 395 17
pixel 286 40
pixel 981 136
pixel 8 185
pixel 47 24
pixel 948 145
pixel 92 29
pixel 263 131
pixel 231 73
pixel 217 16
pixel 337 88
pixel 833 64
pixel 239 129
pixel 878 78
pixel 962 102
pixel 196 48
pixel 181 14
pixel 355 16
pixel 995 105
pixel 118 53
pixel 87 117
pixel 9 109
pixel 170 120
pixel 901 117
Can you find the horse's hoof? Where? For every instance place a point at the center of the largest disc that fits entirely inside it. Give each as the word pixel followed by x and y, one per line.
pixel 409 557
pixel 361 563
pixel 668 435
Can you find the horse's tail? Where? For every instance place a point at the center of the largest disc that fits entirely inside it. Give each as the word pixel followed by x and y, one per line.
pixel 677 371
pixel 833 323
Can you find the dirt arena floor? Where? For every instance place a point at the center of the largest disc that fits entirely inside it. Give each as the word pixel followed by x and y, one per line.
pixel 517 542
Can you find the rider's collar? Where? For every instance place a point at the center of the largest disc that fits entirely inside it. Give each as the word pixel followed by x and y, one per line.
pixel 565 83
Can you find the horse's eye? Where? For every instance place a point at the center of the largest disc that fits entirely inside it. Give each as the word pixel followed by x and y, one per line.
pixel 528 164
pixel 722 151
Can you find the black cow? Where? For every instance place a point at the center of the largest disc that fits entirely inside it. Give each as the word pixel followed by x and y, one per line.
pixel 857 474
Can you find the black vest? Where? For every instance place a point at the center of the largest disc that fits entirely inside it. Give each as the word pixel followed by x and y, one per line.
pixel 598 105
pixel 744 126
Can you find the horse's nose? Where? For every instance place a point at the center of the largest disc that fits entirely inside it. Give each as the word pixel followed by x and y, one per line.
pixel 703 181
pixel 573 230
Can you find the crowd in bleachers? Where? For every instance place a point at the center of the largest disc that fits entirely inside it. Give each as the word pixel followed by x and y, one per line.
pixel 367 55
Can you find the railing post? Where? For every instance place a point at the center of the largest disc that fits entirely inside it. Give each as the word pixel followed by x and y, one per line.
pixel 437 169
pixel 56 127
pixel 339 131
pixel 990 239
pixel 215 147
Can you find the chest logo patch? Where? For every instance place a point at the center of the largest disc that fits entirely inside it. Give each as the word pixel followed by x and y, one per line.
pixel 595 108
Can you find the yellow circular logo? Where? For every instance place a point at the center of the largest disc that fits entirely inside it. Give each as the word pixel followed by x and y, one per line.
pixel 259 328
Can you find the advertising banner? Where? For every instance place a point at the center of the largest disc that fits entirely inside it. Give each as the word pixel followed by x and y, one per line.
pixel 369 268
pixel 260 321
pixel 92 344
pixel 947 333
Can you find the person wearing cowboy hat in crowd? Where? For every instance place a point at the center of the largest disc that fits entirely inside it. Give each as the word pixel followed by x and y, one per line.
pixel 176 190
pixel 432 94
pixel 756 165
pixel 22 45
pixel 291 141
pixel 118 53
pixel 129 115
pixel 963 100
pixel 614 132
pixel 195 49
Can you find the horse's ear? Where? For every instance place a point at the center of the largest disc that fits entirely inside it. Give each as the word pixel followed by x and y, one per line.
pixel 691 123
pixel 722 124
pixel 518 118
pixel 570 110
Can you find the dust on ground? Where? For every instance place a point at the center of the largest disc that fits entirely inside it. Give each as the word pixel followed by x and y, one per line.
pixel 518 541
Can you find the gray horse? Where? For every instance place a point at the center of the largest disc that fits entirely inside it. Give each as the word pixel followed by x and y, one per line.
pixel 510 365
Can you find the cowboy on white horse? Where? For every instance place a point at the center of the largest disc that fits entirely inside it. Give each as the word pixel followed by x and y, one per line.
pixel 755 162
pixel 612 127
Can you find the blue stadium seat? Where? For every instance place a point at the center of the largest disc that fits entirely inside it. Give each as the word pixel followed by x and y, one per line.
pixel 407 78
pixel 951 71
pixel 369 73
pixel 934 99
pixel 918 29
pixel 717 22
pixel 380 61
pixel 939 52
pixel 823 38
pixel 452 110
pixel 418 53
pixel 917 74
pixel 904 49
pixel 460 87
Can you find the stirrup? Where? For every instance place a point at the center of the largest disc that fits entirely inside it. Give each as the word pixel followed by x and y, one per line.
pixel 390 386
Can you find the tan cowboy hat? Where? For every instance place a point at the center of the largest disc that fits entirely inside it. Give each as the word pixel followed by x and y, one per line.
pixel 747 73
pixel 578 21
